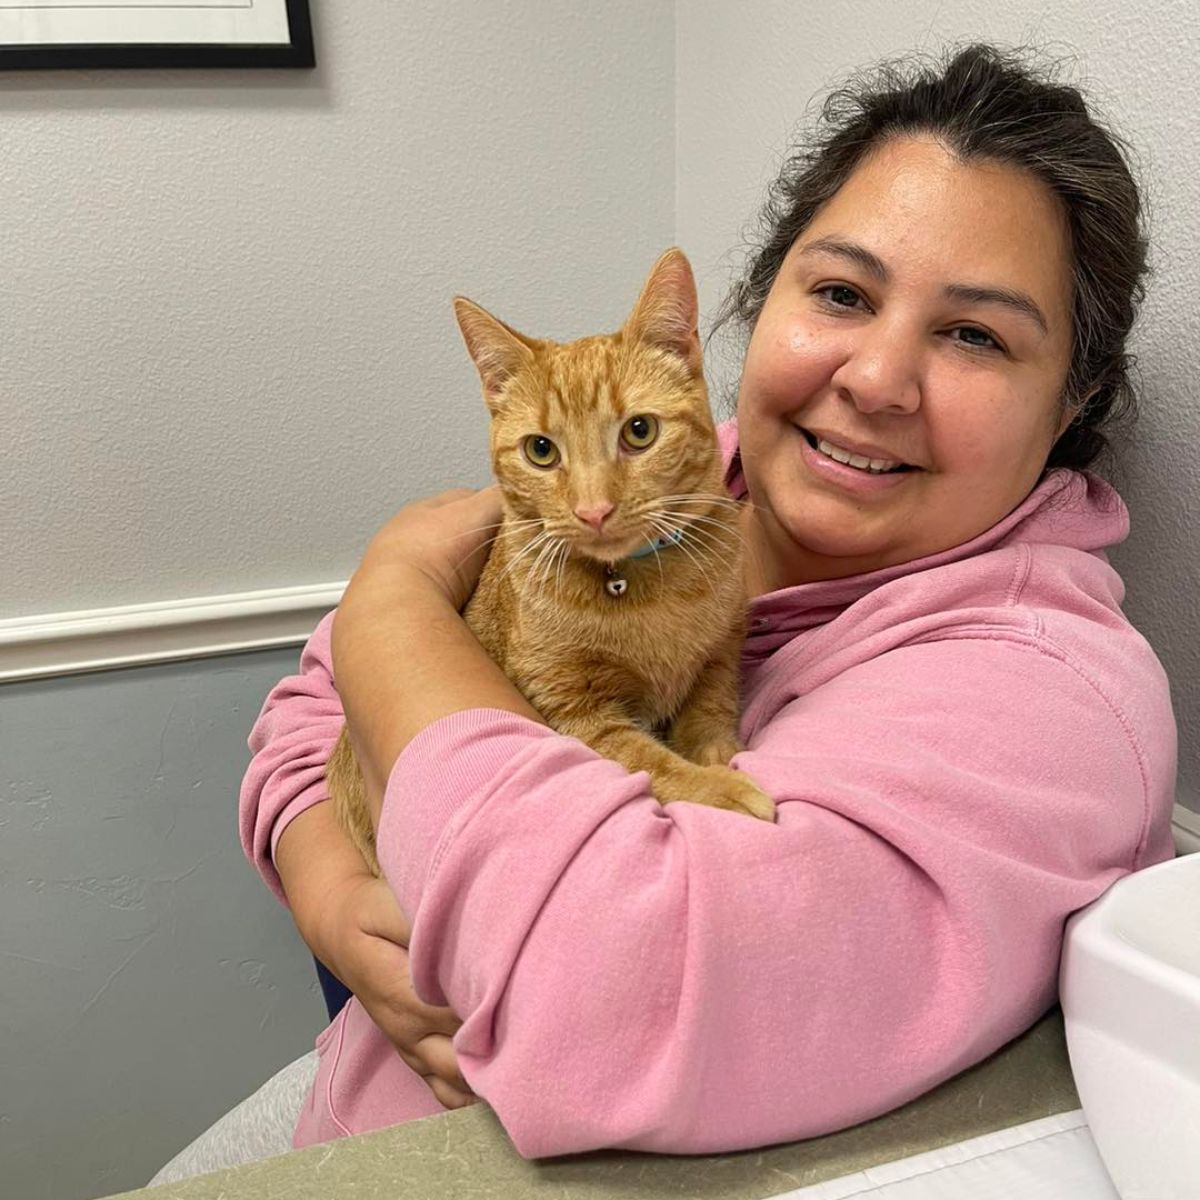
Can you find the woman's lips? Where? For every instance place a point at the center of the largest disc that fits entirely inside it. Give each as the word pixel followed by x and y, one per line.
pixel 853 447
pixel 846 477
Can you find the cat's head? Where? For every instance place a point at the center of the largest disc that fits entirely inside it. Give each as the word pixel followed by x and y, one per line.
pixel 605 439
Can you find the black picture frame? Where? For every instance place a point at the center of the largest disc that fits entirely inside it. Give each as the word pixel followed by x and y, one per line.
pixel 298 52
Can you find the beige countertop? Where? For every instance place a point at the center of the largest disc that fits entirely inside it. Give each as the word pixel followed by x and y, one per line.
pixel 467 1154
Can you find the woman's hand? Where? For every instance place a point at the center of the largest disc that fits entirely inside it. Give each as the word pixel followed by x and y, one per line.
pixel 350 920
pixel 444 537
pixel 366 935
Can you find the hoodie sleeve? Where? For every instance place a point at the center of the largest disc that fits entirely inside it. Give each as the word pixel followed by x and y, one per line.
pixel 689 980
pixel 292 739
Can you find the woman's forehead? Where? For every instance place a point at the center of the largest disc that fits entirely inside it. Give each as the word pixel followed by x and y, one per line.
pixel 916 208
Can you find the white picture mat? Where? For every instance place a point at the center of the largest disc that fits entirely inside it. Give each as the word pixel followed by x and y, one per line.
pixel 101 22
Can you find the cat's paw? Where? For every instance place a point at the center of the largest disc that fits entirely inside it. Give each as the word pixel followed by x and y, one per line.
pixel 722 787
pixel 707 747
pixel 715 753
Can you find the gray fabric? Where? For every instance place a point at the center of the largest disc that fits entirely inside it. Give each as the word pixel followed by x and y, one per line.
pixel 260 1127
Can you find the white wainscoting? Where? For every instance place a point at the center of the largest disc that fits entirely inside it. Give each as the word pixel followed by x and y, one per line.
pixel 138 634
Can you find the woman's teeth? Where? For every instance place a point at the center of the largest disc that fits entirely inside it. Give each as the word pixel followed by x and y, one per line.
pixel 875 466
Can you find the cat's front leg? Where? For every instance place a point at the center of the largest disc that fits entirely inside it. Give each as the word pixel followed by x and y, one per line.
pixel 673 778
pixel 705 730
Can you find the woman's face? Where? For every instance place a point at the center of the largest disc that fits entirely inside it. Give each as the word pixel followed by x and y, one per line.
pixel 922 318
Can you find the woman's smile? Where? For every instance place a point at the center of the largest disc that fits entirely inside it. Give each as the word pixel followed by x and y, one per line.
pixel 834 463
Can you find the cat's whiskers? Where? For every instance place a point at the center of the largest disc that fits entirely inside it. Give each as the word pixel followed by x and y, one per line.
pixel 694 526
pixel 699 518
pixel 550 556
pixel 564 552
pixel 532 545
pixel 692 518
pixel 700 528
pixel 707 502
pixel 503 530
pixel 666 531
pixel 708 525
pixel 700 498
pixel 707 542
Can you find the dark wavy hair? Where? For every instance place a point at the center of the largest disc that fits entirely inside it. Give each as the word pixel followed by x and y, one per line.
pixel 986 103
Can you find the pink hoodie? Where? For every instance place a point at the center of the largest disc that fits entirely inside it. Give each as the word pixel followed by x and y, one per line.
pixel 963 750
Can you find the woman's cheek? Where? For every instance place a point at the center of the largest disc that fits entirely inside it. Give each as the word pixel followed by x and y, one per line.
pixel 809 359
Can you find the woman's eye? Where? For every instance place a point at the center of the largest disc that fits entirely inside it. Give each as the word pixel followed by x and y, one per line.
pixel 838 295
pixel 987 343
pixel 540 450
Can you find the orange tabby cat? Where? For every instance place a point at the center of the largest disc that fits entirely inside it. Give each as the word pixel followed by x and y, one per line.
pixel 613 596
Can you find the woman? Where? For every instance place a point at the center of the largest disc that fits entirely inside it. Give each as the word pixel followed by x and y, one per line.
pixel 965 739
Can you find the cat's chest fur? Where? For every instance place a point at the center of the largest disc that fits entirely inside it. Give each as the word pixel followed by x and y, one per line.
pixel 566 636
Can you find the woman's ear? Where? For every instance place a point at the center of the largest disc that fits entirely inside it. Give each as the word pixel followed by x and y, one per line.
pixel 1072 411
pixel 1068 415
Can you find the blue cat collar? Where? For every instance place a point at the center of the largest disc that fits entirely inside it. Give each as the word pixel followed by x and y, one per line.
pixel 659 543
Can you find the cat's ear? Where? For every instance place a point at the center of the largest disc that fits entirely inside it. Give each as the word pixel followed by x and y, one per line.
pixel 498 351
pixel 667 313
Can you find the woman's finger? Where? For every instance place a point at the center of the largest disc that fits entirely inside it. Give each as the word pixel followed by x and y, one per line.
pixel 438 1054
pixel 443 1021
pixel 408 1020
pixel 447 1096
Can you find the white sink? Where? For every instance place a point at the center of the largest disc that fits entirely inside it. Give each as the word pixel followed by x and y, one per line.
pixel 1130 989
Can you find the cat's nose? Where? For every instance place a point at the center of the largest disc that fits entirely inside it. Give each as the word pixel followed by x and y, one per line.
pixel 595 515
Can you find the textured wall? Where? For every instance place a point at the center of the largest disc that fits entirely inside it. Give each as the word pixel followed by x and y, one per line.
pixel 228 354
pixel 229 351
pixel 744 76
pixel 148 981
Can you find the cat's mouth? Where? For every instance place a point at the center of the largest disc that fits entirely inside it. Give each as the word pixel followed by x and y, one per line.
pixel 609 547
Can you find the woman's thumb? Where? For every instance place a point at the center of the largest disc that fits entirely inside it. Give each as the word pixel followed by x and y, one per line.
pixel 382 916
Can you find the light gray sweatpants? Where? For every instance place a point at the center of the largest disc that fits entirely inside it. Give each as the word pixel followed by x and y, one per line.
pixel 260 1127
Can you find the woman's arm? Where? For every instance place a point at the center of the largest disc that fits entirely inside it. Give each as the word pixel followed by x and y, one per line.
pixel 320 868
pixel 349 919
pixel 393 614
pixel 687 980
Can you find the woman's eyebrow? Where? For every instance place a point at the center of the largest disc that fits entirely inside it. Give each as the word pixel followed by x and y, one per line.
pixel 859 255
pixel 1020 303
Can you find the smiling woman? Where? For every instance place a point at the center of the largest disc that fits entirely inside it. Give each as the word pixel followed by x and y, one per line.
pixel 964 738
pixel 923 318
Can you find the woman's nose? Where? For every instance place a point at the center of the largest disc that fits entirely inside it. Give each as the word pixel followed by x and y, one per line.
pixel 881 372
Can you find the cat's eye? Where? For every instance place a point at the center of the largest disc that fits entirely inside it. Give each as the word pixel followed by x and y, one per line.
pixel 540 450
pixel 639 432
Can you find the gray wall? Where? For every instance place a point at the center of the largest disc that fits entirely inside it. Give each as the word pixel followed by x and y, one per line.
pixel 745 74
pixel 147 979
pixel 229 349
